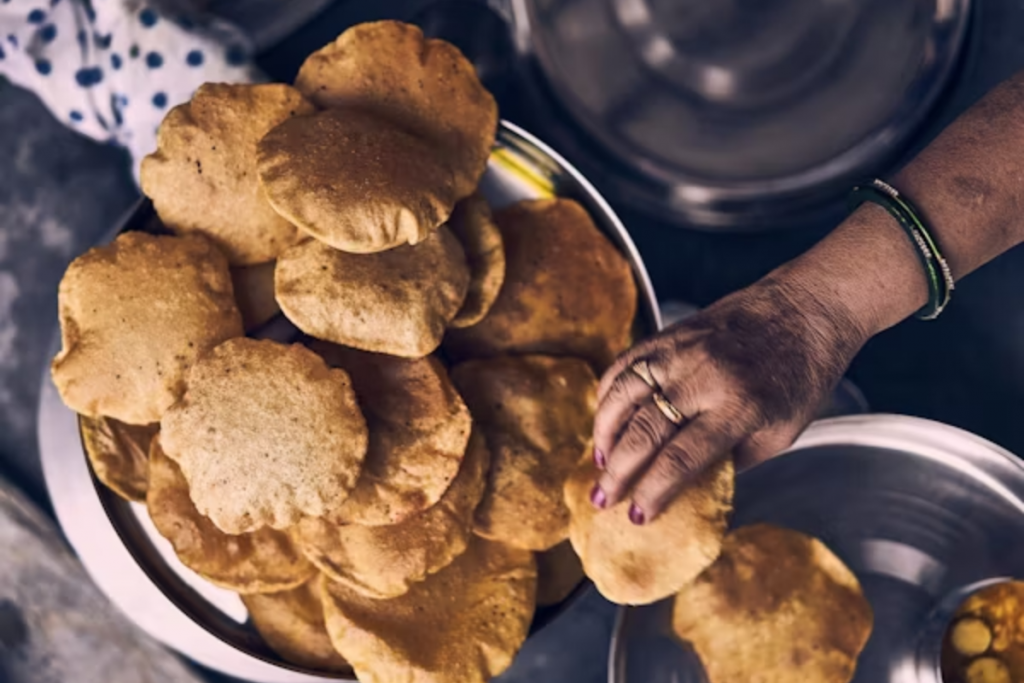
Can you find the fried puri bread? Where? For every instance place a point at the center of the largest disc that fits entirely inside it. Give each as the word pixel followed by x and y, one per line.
pixel 638 565
pixel 202 178
pixel 424 85
pixel 292 624
pixel 257 562
pixel 396 302
pixel 355 181
pixel 419 429
pixel 265 435
pixel 985 642
pixel 776 607
pixel 134 316
pixel 462 625
pixel 537 414
pixel 471 222
pixel 254 294
pixel 567 290
pixel 119 454
pixel 386 561
pixel 559 571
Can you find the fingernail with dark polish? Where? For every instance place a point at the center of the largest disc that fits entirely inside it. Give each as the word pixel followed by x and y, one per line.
pixel 636 515
pixel 597 497
pixel 599 459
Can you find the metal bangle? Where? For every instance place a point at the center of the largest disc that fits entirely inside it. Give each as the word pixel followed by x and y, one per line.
pixel 937 270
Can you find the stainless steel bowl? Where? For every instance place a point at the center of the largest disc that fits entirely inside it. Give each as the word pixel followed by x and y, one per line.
pixel 736 115
pixel 137 568
pixel 922 512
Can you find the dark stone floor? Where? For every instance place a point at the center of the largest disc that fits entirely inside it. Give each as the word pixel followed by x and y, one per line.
pixel 59 192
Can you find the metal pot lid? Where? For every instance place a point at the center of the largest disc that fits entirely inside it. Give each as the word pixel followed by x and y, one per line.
pixel 726 108
pixel 922 512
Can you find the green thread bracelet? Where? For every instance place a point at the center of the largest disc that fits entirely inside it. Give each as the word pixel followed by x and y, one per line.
pixel 936 268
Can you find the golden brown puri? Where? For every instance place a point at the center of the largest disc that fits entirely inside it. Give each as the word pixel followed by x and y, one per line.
pixel 202 178
pixel 567 291
pixel 638 565
pixel 355 181
pixel 425 85
pixel 776 607
pixel 537 414
pixel 119 454
pixel 419 429
pixel 266 434
pixel 988 670
pixel 396 302
pixel 258 562
pixel 386 561
pixel 471 222
pixel 254 294
pixel 292 624
pixel 462 625
pixel 985 642
pixel 134 316
pixel 559 571
pixel 970 636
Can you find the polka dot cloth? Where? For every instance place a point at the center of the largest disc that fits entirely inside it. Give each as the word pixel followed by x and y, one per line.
pixel 112 72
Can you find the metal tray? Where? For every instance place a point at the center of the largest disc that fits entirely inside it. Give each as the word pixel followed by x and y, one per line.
pixel 137 568
pixel 922 512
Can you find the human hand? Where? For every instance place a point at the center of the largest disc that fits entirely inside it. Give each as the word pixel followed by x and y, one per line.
pixel 747 375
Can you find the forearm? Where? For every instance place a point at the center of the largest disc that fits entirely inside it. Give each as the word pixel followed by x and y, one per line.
pixel 969 187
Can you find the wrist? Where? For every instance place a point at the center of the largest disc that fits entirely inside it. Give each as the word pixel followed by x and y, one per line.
pixel 865 276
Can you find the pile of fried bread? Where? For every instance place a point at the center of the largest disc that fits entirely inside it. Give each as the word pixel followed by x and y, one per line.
pixel 395 490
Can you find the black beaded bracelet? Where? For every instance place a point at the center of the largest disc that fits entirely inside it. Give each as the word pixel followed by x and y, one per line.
pixel 937 272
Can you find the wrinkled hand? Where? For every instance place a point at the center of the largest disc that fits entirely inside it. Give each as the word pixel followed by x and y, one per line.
pixel 747 374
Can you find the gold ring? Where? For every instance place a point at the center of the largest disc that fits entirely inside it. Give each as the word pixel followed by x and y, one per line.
pixel 667 409
pixel 642 370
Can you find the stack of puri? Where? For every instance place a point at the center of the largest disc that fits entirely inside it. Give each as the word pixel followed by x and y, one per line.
pixel 386 494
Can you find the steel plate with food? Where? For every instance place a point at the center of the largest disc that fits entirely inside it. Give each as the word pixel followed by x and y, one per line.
pixel 875 550
pixel 317 400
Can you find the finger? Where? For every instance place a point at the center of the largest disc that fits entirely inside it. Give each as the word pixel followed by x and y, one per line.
pixel 627 392
pixel 658 350
pixel 699 443
pixel 617 368
pixel 645 433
